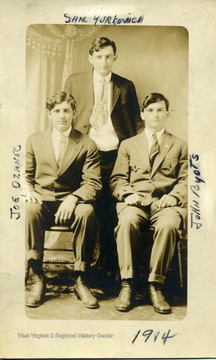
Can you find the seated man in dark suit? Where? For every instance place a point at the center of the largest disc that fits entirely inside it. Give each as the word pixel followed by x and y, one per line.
pixel 149 181
pixel 63 181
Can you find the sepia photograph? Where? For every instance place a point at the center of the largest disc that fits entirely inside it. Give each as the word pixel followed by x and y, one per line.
pixel 107 116
pixel 106 220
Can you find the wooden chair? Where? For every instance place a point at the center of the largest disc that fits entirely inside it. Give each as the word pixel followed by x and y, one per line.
pixel 61 256
pixel 64 253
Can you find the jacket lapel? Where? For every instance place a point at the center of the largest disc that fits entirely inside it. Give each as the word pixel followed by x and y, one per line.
pixel 142 149
pixel 73 148
pixel 47 147
pixel 166 144
pixel 115 91
pixel 88 90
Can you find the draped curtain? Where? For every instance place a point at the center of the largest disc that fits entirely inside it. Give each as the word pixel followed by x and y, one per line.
pixel 51 55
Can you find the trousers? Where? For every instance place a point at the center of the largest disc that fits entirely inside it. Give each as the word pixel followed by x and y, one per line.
pixel 83 225
pixel 106 214
pixel 131 220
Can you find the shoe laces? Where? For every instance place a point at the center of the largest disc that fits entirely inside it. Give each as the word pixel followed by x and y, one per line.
pixel 126 288
pixel 36 280
pixel 126 283
pixel 157 288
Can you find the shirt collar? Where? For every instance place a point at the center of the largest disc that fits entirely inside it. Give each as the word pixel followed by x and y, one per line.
pixel 97 78
pixel 65 133
pixel 149 133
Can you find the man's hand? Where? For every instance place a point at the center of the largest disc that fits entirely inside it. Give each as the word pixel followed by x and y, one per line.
pixel 133 199
pixel 66 209
pixel 32 196
pixel 167 201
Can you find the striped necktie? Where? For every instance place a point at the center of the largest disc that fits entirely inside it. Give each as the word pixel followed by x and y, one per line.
pixel 154 150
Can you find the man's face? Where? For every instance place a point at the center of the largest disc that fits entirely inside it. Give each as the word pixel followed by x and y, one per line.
pixel 155 116
pixel 61 116
pixel 103 60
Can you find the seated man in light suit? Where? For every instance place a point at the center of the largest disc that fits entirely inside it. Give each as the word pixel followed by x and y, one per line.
pixel 108 111
pixel 149 181
pixel 63 181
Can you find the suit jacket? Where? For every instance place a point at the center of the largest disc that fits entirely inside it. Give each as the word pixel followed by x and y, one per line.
pixel 79 173
pixel 133 174
pixel 125 112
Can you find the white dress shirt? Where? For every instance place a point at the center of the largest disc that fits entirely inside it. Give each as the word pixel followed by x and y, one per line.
pixel 149 134
pixel 105 138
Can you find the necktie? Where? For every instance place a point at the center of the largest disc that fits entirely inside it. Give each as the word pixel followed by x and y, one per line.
pixel 100 110
pixel 154 150
pixel 62 145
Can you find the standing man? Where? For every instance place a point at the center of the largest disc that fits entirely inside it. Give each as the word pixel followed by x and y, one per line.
pixel 150 182
pixel 108 111
pixel 63 181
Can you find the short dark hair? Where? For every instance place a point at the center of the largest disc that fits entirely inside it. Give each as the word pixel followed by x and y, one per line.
pixel 153 98
pixel 100 43
pixel 58 98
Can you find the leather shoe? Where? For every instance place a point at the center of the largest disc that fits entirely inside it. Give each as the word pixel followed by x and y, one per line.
pixel 158 300
pixel 84 294
pixel 37 293
pixel 124 300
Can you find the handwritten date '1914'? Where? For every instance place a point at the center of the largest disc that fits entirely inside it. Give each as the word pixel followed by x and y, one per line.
pixel 154 335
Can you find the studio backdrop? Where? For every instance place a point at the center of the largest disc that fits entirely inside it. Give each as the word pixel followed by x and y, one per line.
pixel 155 58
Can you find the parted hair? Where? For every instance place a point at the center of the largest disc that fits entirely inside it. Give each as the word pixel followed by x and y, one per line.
pixel 153 98
pixel 58 98
pixel 100 43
